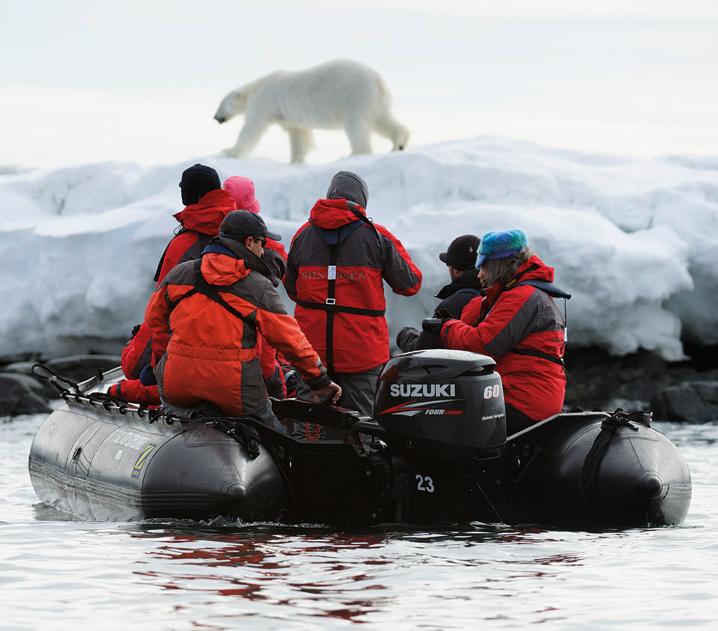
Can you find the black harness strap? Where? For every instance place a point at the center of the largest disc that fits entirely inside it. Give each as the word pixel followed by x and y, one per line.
pixel 164 254
pixel 211 292
pixel 334 308
pixel 539 354
pixel 331 302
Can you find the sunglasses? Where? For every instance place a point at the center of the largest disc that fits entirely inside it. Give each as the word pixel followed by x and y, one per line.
pixel 261 240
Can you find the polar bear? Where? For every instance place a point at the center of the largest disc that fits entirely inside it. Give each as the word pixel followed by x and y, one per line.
pixel 334 95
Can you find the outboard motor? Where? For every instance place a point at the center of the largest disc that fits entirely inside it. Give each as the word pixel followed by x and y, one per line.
pixel 445 421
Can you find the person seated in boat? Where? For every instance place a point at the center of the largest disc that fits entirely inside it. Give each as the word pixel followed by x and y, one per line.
pixel 210 312
pixel 206 205
pixel 518 324
pixel 460 258
pixel 273 364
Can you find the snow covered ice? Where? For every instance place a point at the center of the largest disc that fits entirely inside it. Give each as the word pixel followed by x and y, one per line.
pixel 632 239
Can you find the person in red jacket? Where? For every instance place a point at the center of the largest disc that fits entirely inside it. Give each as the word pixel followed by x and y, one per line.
pixel 206 205
pixel 243 192
pixel 213 311
pixel 518 324
pixel 337 263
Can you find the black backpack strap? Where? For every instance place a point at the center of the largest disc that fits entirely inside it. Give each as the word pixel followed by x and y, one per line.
pixel 546 287
pixel 164 254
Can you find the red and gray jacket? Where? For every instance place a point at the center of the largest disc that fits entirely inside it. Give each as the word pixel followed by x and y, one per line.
pixel 199 224
pixel 212 311
pixel 337 263
pixel 522 328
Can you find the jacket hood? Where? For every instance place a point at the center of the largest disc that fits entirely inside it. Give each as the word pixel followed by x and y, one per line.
pixel 332 214
pixel 233 250
pixel 222 269
pixel 467 279
pixel 207 214
pixel 534 269
pixel 348 185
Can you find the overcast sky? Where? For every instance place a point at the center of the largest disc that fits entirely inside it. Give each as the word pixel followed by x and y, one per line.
pixel 86 81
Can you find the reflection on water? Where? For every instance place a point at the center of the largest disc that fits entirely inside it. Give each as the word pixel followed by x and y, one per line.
pixel 222 575
pixel 350 576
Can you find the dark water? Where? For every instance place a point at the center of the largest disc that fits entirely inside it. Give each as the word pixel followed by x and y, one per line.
pixel 58 573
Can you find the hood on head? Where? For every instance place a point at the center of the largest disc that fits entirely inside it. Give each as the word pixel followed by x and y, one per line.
pixel 348 185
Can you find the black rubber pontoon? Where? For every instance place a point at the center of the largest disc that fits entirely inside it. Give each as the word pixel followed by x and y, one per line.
pixel 437 452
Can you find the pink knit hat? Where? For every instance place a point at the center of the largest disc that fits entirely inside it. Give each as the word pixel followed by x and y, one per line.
pixel 242 191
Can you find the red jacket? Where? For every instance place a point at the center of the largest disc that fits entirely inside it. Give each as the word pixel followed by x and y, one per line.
pixel 348 329
pixel 200 222
pixel 510 321
pixel 213 353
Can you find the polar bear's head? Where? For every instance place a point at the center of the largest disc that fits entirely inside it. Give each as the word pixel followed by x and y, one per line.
pixel 232 105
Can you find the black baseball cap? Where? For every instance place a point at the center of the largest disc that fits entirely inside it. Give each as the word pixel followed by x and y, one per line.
pixel 461 253
pixel 242 223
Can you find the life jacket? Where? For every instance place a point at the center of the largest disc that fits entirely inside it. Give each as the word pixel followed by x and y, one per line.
pixel 521 327
pixel 337 263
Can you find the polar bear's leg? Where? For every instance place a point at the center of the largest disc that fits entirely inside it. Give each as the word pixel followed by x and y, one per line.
pixel 359 134
pixel 301 141
pixel 252 130
pixel 386 125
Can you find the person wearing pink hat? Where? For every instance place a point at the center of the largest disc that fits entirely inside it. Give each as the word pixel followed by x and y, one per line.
pixel 241 189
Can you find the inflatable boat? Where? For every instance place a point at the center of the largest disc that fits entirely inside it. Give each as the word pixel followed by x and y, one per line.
pixel 436 452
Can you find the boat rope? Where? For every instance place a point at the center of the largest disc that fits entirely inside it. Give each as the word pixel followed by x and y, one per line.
pixel 490 503
pixel 244 434
pixel 43 371
pixel 609 428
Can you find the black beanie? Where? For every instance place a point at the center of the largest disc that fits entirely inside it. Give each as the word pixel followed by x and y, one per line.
pixel 198 180
pixel 348 185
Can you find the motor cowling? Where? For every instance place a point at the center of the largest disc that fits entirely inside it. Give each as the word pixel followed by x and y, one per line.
pixel 443 405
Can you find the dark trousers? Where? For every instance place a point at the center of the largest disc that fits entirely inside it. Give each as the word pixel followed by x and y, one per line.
pixel 358 389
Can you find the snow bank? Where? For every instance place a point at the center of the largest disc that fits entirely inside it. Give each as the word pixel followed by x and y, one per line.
pixel 633 240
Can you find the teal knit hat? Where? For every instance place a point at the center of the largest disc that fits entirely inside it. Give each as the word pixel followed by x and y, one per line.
pixel 500 245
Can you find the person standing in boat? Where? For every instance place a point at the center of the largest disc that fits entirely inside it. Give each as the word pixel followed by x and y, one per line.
pixel 519 325
pixel 460 258
pixel 210 312
pixel 337 263
pixel 206 205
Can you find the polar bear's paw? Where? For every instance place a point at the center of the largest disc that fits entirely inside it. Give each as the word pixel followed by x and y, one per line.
pixel 232 152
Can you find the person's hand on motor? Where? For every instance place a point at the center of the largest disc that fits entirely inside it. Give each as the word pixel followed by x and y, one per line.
pixel 328 394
